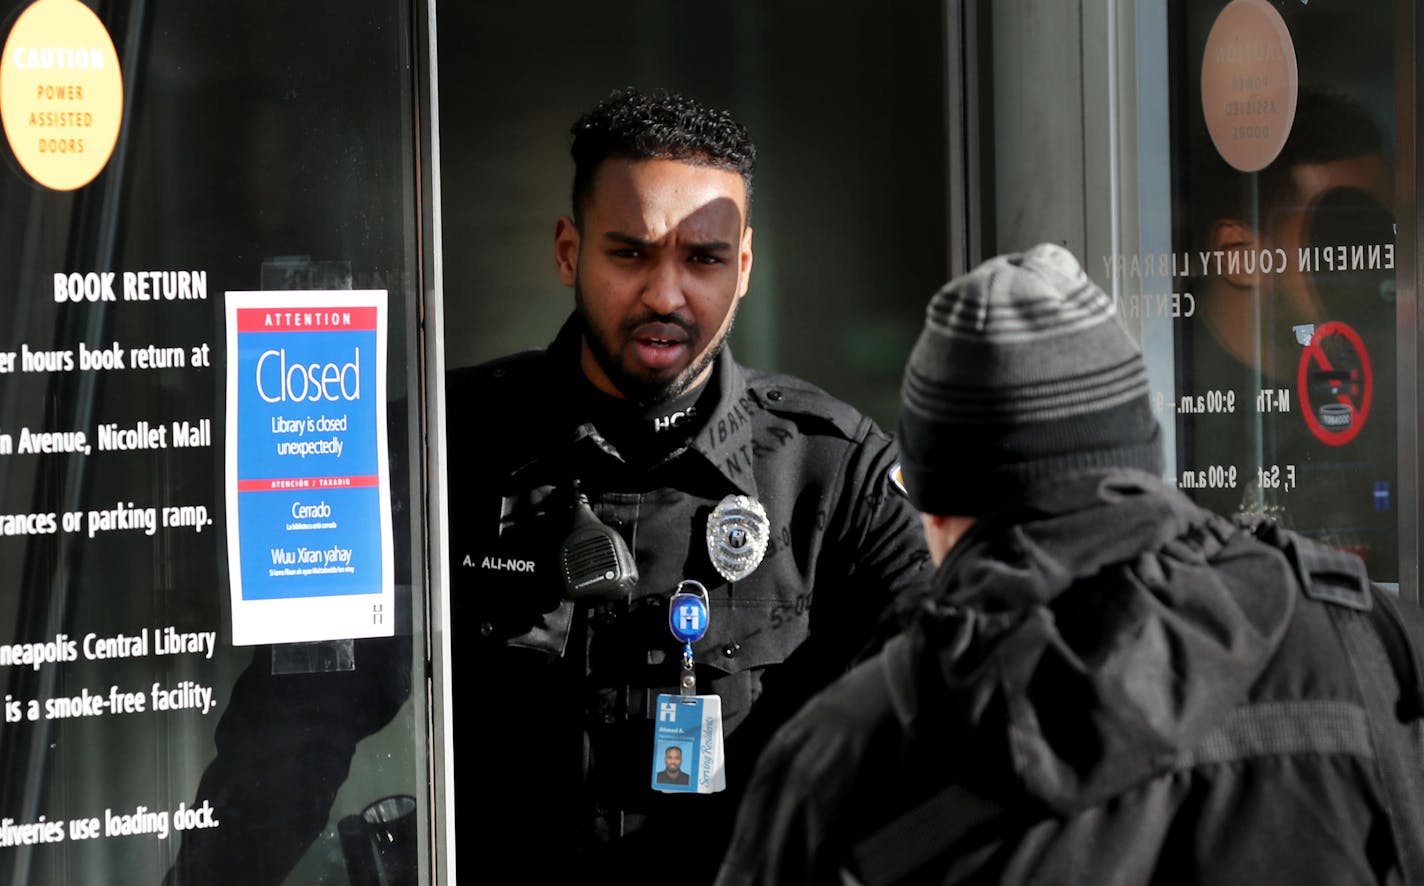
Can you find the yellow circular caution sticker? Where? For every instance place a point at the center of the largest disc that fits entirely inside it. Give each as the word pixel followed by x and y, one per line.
pixel 61 93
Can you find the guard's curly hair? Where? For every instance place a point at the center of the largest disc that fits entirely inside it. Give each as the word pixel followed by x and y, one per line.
pixel 657 125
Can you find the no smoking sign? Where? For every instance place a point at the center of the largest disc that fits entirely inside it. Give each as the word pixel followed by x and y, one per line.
pixel 1336 383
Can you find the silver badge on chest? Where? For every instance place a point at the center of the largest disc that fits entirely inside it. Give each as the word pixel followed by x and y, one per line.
pixel 737 532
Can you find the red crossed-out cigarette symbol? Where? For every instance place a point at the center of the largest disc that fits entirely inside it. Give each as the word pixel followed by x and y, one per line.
pixel 1353 389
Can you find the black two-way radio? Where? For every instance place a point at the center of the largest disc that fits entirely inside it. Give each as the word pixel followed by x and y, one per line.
pixel 595 561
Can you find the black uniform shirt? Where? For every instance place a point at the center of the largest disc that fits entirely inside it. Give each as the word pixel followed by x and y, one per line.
pixel 554 738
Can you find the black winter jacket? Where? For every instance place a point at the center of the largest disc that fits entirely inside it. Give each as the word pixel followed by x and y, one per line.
pixel 1110 686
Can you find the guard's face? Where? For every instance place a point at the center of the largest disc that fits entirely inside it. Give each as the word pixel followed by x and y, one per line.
pixel 658 268
pixel 673 760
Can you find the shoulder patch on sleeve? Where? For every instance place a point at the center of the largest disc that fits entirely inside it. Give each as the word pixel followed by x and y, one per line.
pixel 897 479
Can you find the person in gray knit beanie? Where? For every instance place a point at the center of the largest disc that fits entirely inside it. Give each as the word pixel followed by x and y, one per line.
pixel 1022 371
pixel 1104 682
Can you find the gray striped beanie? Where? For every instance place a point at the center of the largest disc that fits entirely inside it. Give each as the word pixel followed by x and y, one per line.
pixel 1021 372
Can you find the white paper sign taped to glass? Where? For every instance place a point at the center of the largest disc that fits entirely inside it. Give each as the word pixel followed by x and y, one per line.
pixel 308 487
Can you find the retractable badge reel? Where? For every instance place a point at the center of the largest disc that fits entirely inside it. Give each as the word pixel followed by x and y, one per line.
pixel 687 746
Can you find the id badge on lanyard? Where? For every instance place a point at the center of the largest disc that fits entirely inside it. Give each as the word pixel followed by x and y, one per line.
pixel 687 737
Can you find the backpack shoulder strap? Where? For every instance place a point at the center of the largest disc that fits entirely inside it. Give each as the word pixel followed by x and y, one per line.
pixel 952 818
pixel 1386 666
pixel 949 818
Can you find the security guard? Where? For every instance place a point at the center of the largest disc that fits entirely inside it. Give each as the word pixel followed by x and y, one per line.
pixel 777 500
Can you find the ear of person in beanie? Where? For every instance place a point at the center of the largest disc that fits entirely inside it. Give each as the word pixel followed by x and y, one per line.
pixel 1022 372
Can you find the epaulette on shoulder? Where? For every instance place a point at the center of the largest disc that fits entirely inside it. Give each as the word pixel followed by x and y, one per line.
pixel 1340 579
pixel 795 398
pixel 1325 573
pixel 1329 575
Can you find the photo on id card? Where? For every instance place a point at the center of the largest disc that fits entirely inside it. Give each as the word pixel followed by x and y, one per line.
pixel 687 745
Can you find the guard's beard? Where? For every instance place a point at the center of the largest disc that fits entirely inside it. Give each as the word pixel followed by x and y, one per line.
pixel 641 391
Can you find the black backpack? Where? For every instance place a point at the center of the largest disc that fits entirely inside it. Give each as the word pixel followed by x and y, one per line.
pixel 1387 670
